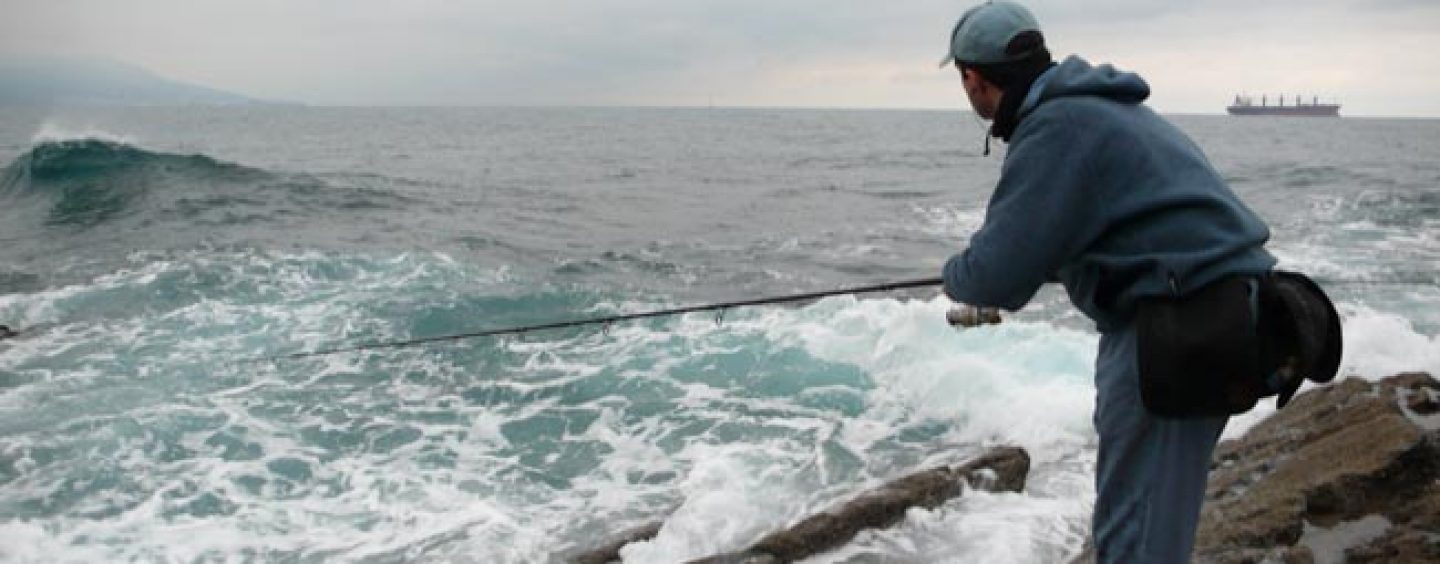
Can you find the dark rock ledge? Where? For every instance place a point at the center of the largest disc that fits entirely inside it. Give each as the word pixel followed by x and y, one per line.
pixel 1345 473
pixel 999 469
pixel 1348 472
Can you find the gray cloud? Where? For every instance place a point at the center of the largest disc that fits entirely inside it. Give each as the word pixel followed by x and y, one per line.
pixel 740 52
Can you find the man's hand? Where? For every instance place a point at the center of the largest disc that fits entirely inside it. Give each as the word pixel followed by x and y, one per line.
pixel 967 316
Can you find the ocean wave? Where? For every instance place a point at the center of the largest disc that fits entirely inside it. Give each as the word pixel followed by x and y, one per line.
pixel 131 432
pixel 92 181
pixel 1287 177
pixel 88 182
pixel 509 449
pixel 1401 208
pixel 13 281
pixel 645 262
pixel 901 159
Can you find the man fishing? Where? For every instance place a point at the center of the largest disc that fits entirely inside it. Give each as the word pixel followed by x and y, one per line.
pixel 1100 193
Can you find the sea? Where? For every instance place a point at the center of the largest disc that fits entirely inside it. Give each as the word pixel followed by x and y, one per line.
pixel 160 263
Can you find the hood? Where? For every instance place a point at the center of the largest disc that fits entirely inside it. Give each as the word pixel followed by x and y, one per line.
pixel 1077 77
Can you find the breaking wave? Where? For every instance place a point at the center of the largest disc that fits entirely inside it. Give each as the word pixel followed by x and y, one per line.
pixel 502 450
pixel 89 182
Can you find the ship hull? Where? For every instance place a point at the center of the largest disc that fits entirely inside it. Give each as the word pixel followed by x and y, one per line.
pixel 1321 110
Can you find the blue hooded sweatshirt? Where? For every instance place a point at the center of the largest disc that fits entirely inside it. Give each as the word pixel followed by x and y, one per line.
pixel 1100 193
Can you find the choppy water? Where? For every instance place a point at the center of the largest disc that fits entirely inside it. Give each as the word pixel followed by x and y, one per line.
pixel 147 250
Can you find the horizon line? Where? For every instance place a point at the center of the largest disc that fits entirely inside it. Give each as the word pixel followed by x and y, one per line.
pixel 264 103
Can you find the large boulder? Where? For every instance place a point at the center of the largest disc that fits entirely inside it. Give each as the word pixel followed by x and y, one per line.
pixel 1344 473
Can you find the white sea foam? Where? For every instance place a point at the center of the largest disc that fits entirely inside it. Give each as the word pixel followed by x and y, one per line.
pixel 996 385
pixel 732 494
pixel 54 132
pixel 1380 344
pixel 727 491
pixel 1004 527
pixel 954 223
pixel 473 451
pixel 1018 382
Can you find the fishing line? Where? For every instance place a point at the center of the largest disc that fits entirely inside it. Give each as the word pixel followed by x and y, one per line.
pixel 606 321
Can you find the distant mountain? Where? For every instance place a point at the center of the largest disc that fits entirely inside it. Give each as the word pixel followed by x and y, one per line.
pixel 100 82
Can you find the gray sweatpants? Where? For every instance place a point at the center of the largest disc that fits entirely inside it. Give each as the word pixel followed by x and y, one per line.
pixel 1150 478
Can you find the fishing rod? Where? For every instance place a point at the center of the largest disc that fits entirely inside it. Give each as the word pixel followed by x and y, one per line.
pixel 6 332
pixel 720 307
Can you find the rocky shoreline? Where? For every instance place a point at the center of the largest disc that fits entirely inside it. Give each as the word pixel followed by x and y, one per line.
pixel 1345 473
pixel 1348 472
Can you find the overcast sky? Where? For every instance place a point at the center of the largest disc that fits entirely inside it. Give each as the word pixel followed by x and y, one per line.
pixel 1377 57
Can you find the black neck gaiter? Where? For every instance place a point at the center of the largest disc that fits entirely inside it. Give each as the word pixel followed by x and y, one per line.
pixel 1007 117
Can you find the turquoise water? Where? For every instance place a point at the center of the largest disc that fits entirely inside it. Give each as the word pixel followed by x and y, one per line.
pixel 151 254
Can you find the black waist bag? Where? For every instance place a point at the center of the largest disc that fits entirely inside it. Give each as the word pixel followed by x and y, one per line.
pixel 1212 352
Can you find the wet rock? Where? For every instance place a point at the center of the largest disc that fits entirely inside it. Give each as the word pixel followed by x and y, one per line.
pixel 999 469
pixel 1346 472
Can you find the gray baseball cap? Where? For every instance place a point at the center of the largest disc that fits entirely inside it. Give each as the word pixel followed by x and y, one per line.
pixel 983 33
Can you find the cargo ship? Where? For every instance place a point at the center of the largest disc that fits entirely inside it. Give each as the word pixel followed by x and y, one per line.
pixel 1246 106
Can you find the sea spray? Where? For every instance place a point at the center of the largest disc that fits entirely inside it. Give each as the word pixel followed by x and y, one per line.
pixel 605 424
